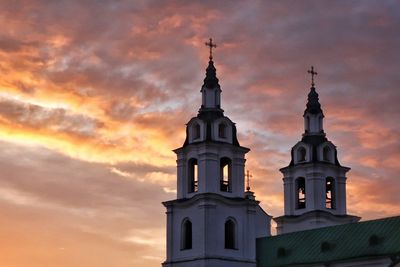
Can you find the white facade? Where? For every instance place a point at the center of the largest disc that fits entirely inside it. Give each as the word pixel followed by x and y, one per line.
pixel 315 176
pixel 208 213
pixel 314 182
pixel 213 222
pixel 209 158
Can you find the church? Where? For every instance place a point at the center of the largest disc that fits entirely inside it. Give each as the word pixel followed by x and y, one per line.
pixel 216 222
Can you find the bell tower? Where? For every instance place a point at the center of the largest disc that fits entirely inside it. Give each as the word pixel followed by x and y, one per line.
pixel 315 181
pixel 213 222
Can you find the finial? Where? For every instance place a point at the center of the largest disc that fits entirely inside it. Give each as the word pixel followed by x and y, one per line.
pixel 211 79
pixel 211 45
pixel 313 105
pixel 248 176
pixel 312 72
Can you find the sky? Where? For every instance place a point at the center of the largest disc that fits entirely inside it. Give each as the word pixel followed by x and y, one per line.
pixel 94 96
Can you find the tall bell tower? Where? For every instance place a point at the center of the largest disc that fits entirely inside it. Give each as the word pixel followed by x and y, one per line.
pixel 214 221
pixel 314 182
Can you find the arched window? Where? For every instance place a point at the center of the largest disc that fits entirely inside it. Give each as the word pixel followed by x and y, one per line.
pixel 301 193
pixel 308 124
pixel 186 235
pixel 320 123
pixel 222 130
pixel 301 154
pixel 193 175
pixel 326 153
pixel 196 131
pixel 230 234
pixel 330 200
pixel 225 174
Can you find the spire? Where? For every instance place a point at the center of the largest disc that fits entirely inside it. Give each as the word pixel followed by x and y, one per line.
pixel 313 105
pixel 313 115
pixel 211 90
pixel 211 80
pixel 248 176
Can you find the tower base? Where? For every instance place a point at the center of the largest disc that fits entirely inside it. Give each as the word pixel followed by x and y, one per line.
pixel 311 220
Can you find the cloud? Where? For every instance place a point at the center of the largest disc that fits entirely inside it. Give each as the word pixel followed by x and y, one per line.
pixel 95 95
pixel 74 198
pixel 55 119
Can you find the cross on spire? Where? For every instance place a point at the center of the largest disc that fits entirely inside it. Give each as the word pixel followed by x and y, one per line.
pixel 211 45
pixel 312 72
pixel 248 176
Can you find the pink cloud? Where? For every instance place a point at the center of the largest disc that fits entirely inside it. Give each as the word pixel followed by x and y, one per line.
pixel 95 97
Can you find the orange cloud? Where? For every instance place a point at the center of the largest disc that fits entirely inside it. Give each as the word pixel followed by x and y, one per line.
pixel 92 105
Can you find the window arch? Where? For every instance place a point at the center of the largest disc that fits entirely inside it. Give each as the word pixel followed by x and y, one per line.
pixel 222 130
pixel 330 199
pixel 326 153
pixel 308 124
pixel 193 175
pixel 301 193
pixel 230 234
pixel 186 234
pixel 196 131
pixel 320 121
pixel 301 154
pixel 225 174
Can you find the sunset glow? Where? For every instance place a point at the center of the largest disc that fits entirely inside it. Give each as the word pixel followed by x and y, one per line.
pixel 95 95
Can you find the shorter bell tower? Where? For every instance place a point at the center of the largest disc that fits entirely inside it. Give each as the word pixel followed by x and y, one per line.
pixel 314 182
pixel 213 222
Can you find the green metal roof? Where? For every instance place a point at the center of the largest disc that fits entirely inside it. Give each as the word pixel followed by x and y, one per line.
pixel 331 244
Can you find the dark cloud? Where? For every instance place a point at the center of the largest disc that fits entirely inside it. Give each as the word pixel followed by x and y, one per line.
pixel 125 78
pixel 56 119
